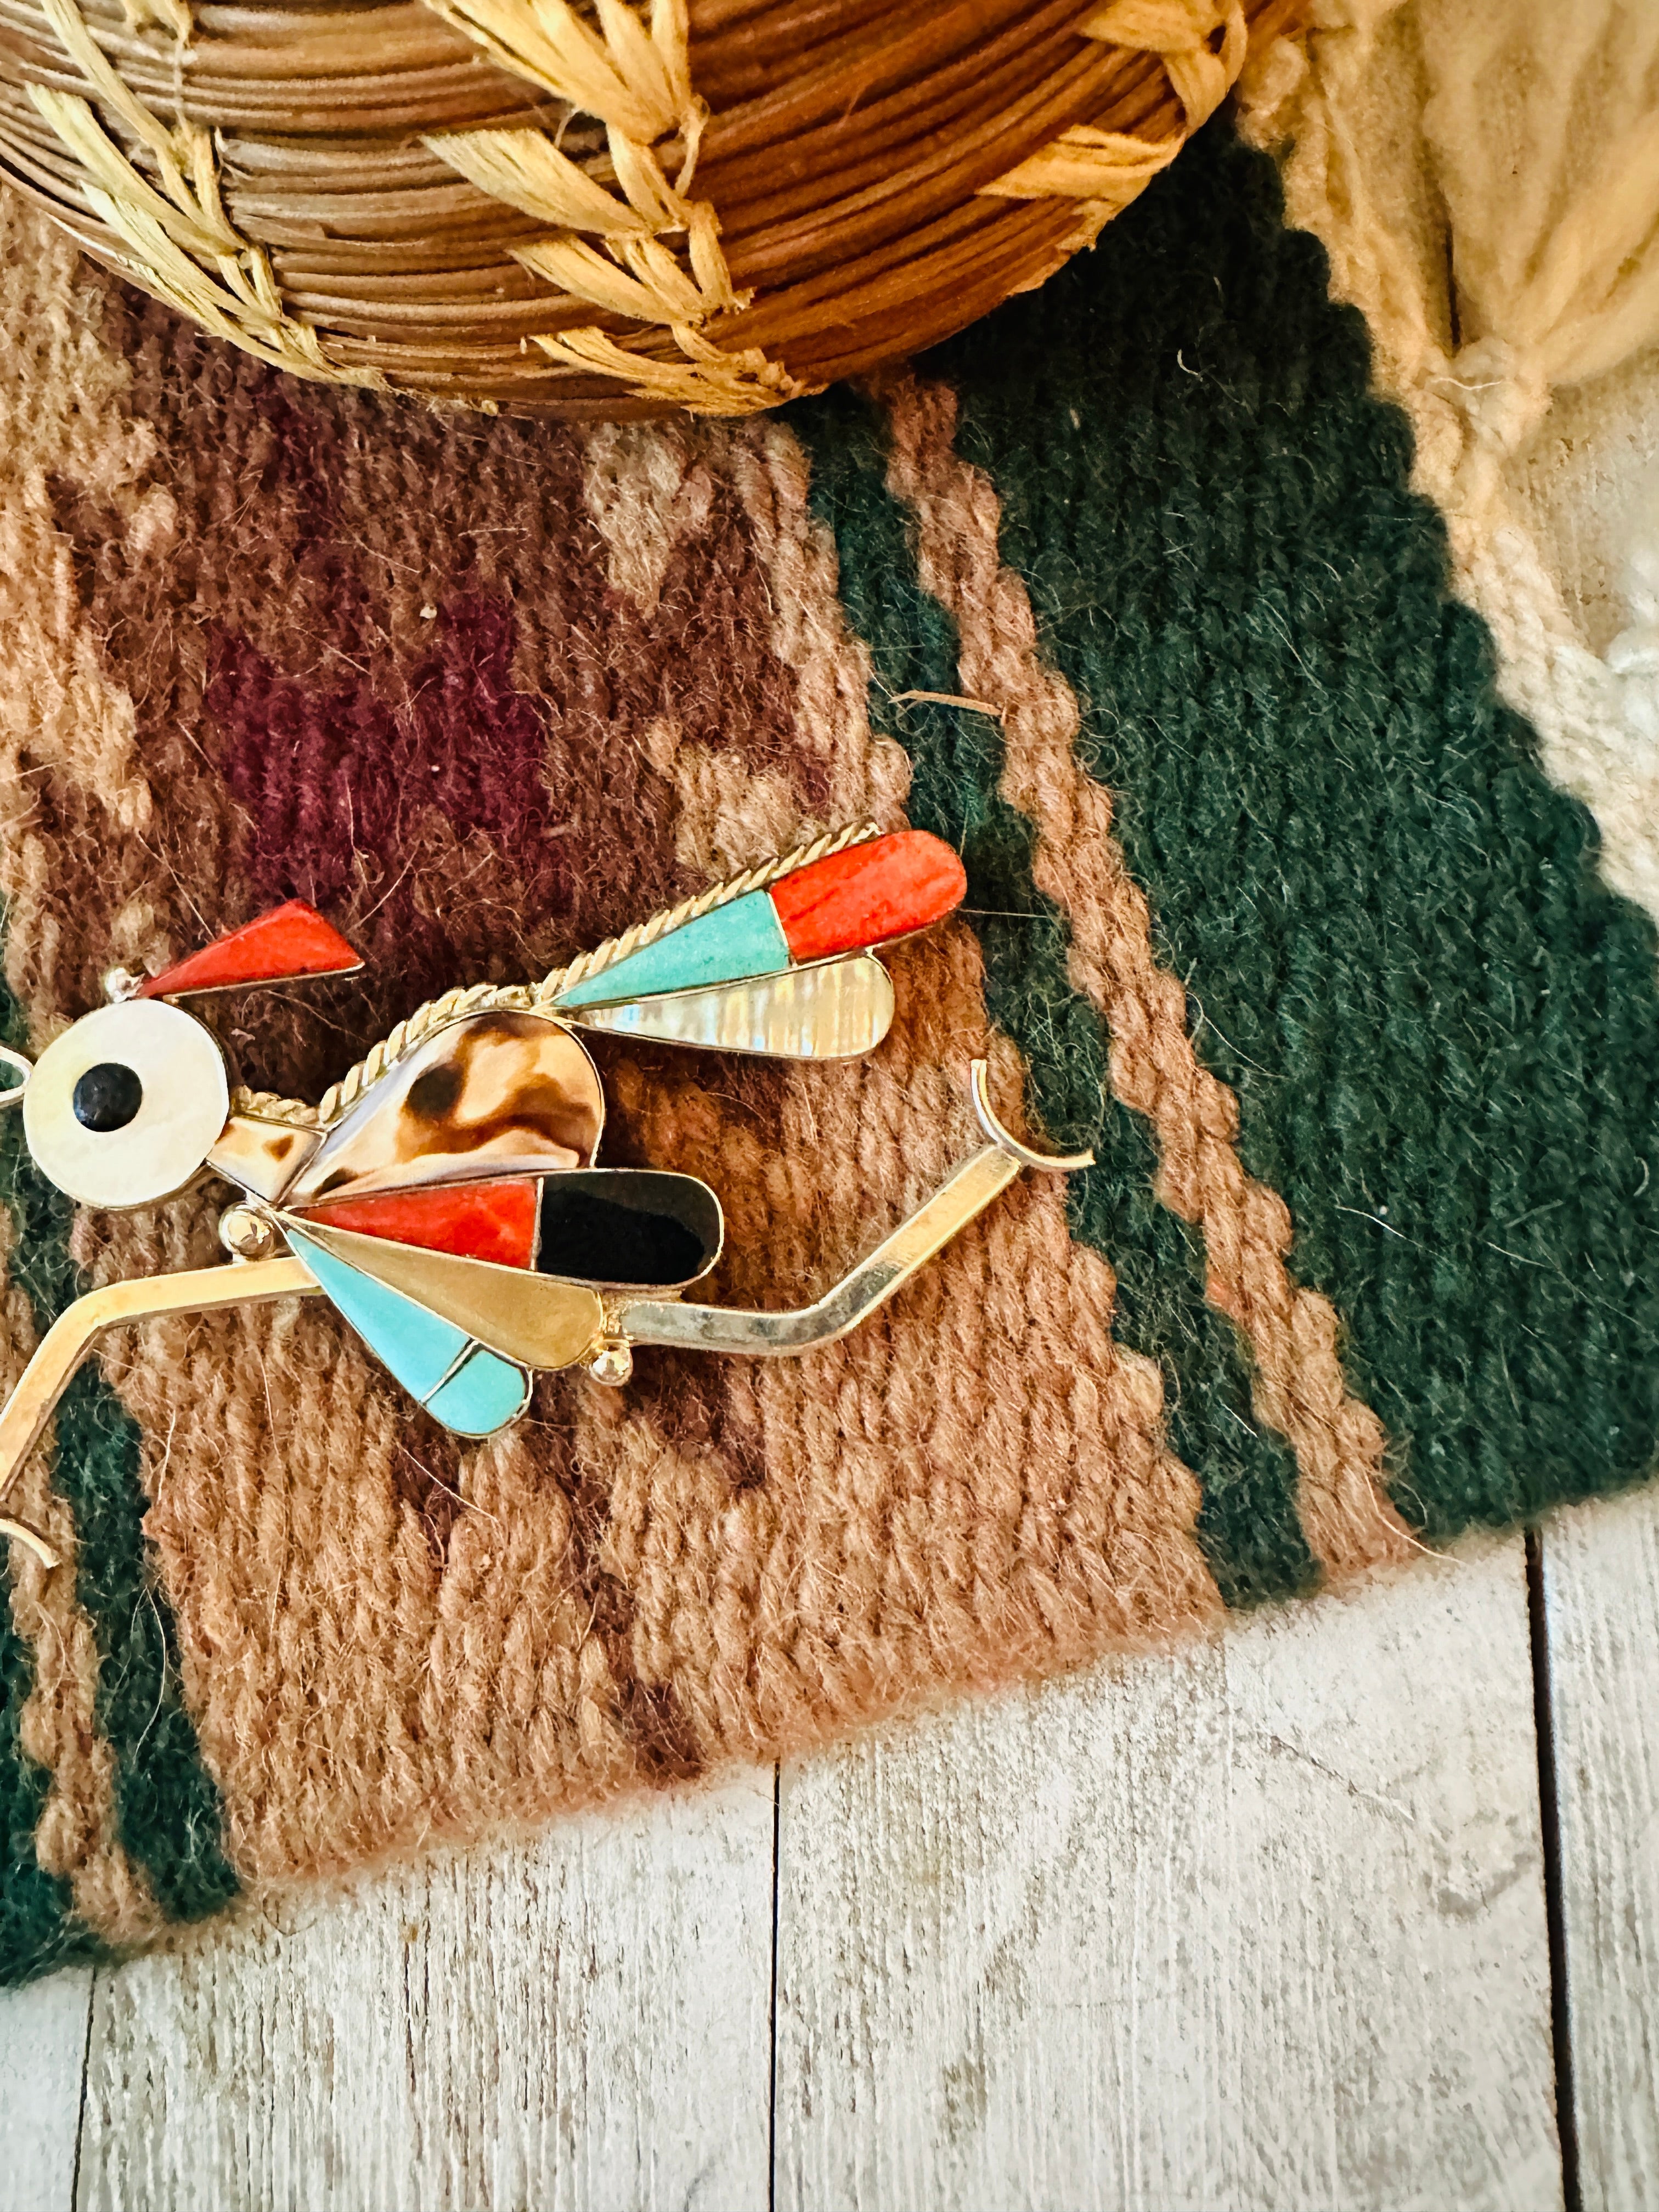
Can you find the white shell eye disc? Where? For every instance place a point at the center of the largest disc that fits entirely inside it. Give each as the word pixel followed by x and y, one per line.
pixel 124 1107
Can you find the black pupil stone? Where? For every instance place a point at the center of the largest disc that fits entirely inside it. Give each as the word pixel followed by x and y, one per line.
pixel 107 1097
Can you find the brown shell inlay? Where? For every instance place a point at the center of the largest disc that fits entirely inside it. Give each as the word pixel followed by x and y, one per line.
pixel 492 1089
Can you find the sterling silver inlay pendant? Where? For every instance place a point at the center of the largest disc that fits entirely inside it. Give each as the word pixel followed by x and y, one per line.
pixel 445 1197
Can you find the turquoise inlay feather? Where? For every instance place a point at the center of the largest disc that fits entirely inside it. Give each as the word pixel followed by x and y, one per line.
pixel 744 939
pixel 484 1395
pixel 419 1347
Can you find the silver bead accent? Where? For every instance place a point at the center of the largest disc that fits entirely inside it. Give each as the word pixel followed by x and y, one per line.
pixel 246 1235
pixel 612 1364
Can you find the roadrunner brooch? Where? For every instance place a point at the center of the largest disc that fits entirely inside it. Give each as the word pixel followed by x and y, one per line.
pixel 444 1196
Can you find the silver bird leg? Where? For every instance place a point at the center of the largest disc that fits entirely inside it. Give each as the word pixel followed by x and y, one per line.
pixel 874 1279
pixel 76 1330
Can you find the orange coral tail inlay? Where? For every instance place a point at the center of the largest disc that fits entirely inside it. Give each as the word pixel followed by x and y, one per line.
pixel 869 895
pixel 475 1220
pixel 291 940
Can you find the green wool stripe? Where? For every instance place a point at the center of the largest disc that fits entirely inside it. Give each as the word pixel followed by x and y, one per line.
pixel 1443 1028
pixel 168 1810
pixel 38 1929
pixel 1248 1524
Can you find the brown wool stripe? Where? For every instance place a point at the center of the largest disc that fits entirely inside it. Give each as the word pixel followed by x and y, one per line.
pixel 1299 1387
pixel 871 1138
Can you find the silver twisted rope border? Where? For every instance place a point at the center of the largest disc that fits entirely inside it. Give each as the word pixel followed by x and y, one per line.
pixel 533 998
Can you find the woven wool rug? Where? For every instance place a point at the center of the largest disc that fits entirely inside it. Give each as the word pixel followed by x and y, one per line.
pixel 1270 903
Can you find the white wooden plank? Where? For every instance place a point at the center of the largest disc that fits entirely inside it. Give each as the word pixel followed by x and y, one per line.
pixel 1260 1923
pixel 43 2041
pixel 1602 1594
pixel 1588 486
pixel 579 2022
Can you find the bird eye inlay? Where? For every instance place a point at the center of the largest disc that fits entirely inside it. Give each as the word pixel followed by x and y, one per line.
pixel 107 1097
pixel 124 1108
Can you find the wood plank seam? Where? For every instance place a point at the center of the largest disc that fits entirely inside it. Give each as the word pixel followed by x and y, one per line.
pixel 1549 1821
pixel 772 2014
pixel 81 2101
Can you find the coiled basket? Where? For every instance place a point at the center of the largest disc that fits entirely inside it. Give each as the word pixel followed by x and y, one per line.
pixel 600 208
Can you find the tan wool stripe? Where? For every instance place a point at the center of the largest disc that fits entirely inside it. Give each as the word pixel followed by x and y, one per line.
pixel 1299 1389
pixel 866 776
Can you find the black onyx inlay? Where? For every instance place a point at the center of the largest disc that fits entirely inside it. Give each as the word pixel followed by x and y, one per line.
pixel 638 1226
pixel 107 1097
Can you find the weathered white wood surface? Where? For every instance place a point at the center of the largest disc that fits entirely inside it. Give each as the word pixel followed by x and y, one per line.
pixel 581 2023
pixel 43 2041
pixel 1260 1924
pixel 1601 1584
pixel 1589 490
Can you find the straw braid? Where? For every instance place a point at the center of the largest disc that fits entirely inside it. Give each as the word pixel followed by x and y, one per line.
pixel 533 998
pixel 709 382
pixel 638 83
pixel 1104 170
pixel 181 243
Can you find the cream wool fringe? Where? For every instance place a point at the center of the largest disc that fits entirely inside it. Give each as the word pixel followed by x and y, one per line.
pixel 1517 143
